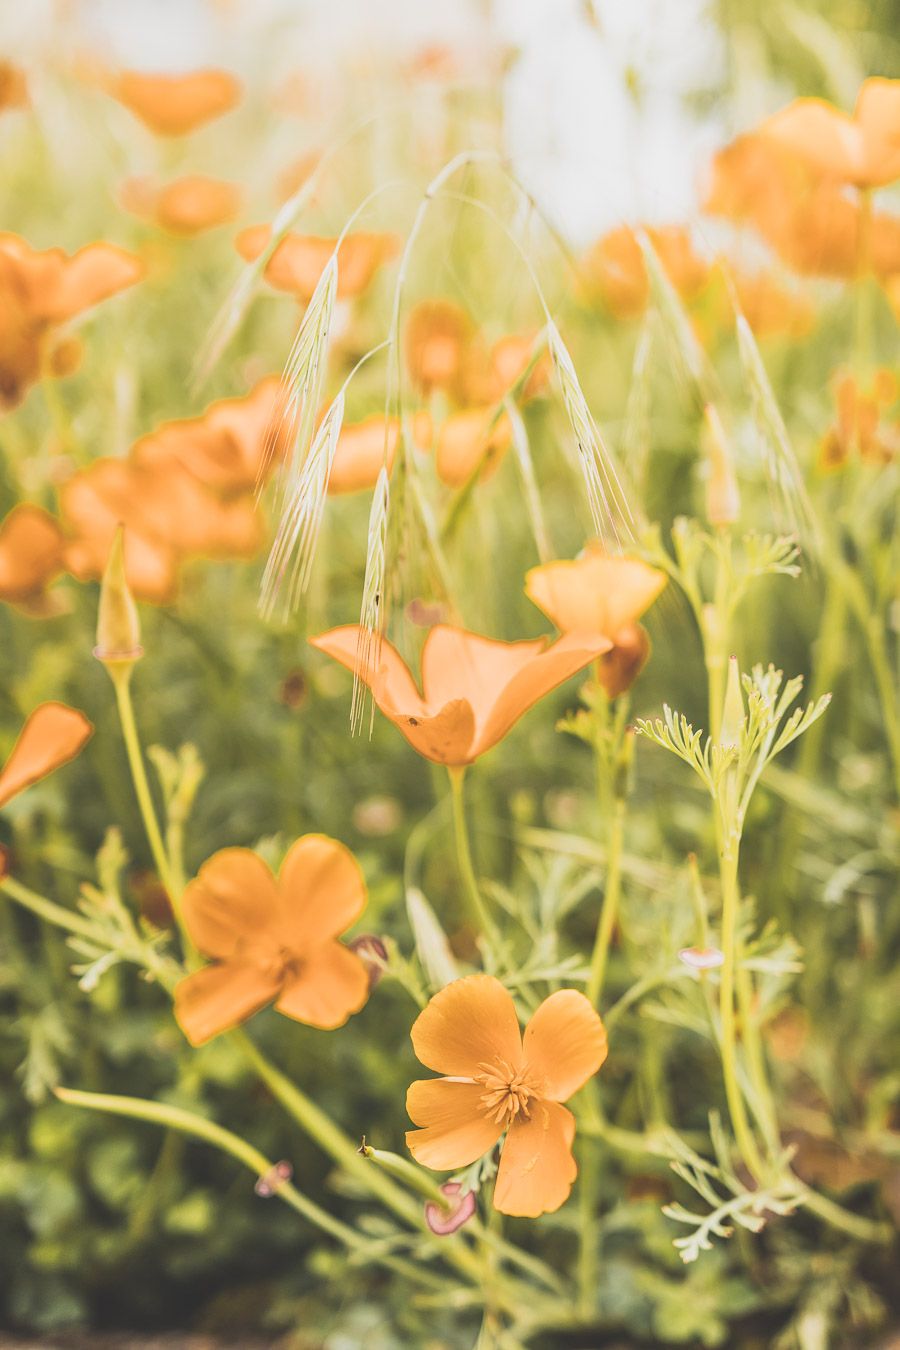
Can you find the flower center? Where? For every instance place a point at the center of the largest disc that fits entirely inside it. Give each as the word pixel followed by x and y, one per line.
pixel 507 1091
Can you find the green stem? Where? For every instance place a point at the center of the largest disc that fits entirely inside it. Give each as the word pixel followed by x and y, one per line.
pixel 478 912
pixel 873 632
pixel 47 909
pixel 866 1230
pixel 610 906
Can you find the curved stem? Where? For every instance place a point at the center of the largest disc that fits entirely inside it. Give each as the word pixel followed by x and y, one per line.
pixel 47 909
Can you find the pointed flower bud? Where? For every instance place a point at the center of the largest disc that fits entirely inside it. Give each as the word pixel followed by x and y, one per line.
pixel 723 498
pixel 118 627
pixel 733 708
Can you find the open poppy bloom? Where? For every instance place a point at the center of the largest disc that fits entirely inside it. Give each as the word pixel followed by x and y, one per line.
pixel 470 440
pixel 187 206
pixel 599 594
pixel 52 735
pixel 435 339
pixel 31 556
pixel 616 273
pixel 476 688
pixel 299 260
pixel 361 448
pixel 497 1082
pixel 173 105
pixel 273 939
pixel 39 291
pixel 858 429
pixel 862 150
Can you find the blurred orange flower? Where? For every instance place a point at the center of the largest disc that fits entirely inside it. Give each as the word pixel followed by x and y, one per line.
pixel 468 440
pixel 615 271
pixel 862 150
pixel 13 87
pixel 599 594
pixel 41 289
pixel 858 429
pixel 299 260
pixel 273 939
pixel 360 450
pixel 31 556
pixel 435 339
pixel 476 688
pixel 497 1082
pixel 173 105
pixel 187 206
pixel 52 735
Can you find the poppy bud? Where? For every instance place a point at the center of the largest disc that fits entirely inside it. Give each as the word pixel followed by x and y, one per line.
pixel 118 627
pixel 733 709
pixel 723 498
pixel 374 955
pixel 458 1208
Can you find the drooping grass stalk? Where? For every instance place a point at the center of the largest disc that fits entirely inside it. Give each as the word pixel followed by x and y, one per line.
pixel 478 911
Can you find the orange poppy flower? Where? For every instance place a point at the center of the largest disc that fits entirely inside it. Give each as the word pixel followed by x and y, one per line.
pixel 168 515
pixel 173 105
pixel 232 447
pixel 187 206
pixel 435 339
pixel 52 735
pixel 299 260
pixel 862 150
pixel 476 688
pixel 41 289
pixel 273 939
pixel 31 556
pixel 469 440
pixel 616 273
pixel 497 1082
pixel 13 87
pixel 858 429
pixel 599 594
pixel 510 356
pixel 770 308
pixel 360 451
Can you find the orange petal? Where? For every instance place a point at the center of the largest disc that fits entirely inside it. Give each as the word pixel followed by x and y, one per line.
pixel 543 673
pixel 332 983
pixel 52 735
pixel 594 593
pixel 173 105
pixel 456 1131
pixel 445 738
pixel 362 449
pixel 565 1043
pixel 459 664
pixel 618 669
pixel 536 1164
pixel 322 891
pixel 233 898
pixel 877 115
pixel 94 273
pixel 469 1023
pixel 219 997
pixel 825 138
pixel 31 548
pixel 470 440
pixel 390 680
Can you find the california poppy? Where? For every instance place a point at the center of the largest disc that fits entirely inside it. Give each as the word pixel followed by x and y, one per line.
pixel 299 260
pixel 858 429
pixel 497 1082
pixel 41 289
pixel 862 150
pixel 273 939
pixel 361 446
pixel 616 273
pixel 173 105
pixel 52 735
pixel 13 86
pixel 434 342
pixel 187 206
pixel 599 594
pixel 476 688
pixel 469 440
pixel 31 556
pixel 770 308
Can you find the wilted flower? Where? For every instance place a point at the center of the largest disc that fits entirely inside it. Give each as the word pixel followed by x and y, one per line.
pixel 273 939
pixel 596 593
pixel 458 1209
pixel 499 1082
pixel 52 735
pixel 476 688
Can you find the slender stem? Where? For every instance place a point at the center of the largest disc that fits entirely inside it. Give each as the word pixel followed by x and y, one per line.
pixel 756 1063
pixel 478 912
pixel 867 1230
pixel 873 633
pixel 47 909
pixel 610 906
pixel 730 900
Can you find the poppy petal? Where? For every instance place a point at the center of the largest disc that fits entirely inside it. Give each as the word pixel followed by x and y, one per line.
pixel 537 1168
pixel 233 897
pixel 467 1024
pixel 594 593
pixel 456 1132
pixel 216 998
pixel 565 1043
pixel 391 683
pixel 52 735
pixel 331 985
pixel 322 891
pixel 544 672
